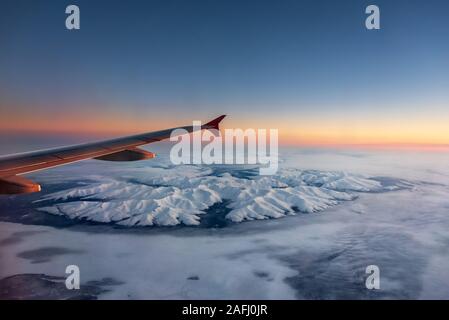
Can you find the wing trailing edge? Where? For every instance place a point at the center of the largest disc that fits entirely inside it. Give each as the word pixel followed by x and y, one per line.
pixel 119 149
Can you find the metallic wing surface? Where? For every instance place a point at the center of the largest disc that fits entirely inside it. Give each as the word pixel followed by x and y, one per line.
pixel 119 149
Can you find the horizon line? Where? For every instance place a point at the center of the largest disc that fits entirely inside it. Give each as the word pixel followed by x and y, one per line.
pixel 287 142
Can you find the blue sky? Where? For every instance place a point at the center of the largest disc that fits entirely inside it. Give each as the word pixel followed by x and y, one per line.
pixel 251 59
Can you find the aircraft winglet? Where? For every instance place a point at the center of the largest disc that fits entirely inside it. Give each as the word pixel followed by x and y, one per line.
pixel 214 123
pixel 117 149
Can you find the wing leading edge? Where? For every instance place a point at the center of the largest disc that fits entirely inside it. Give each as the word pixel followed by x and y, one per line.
pixel 119 149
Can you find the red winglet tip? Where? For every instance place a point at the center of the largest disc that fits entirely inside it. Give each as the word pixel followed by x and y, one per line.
pixel 214 123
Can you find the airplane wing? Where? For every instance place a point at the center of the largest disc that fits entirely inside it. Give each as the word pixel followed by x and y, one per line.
pixel 119 149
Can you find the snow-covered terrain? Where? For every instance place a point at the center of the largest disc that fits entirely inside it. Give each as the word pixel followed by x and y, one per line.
pixel 180 195
pixel 398 221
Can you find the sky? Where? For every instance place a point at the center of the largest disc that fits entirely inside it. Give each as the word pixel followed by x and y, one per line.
pixel 307 68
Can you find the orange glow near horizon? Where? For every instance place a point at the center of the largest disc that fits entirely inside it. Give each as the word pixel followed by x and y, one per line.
pixel 116 124
pixel 419 133
pixel 405 133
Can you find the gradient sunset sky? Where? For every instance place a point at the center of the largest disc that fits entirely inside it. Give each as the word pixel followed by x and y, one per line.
pixel 308 68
